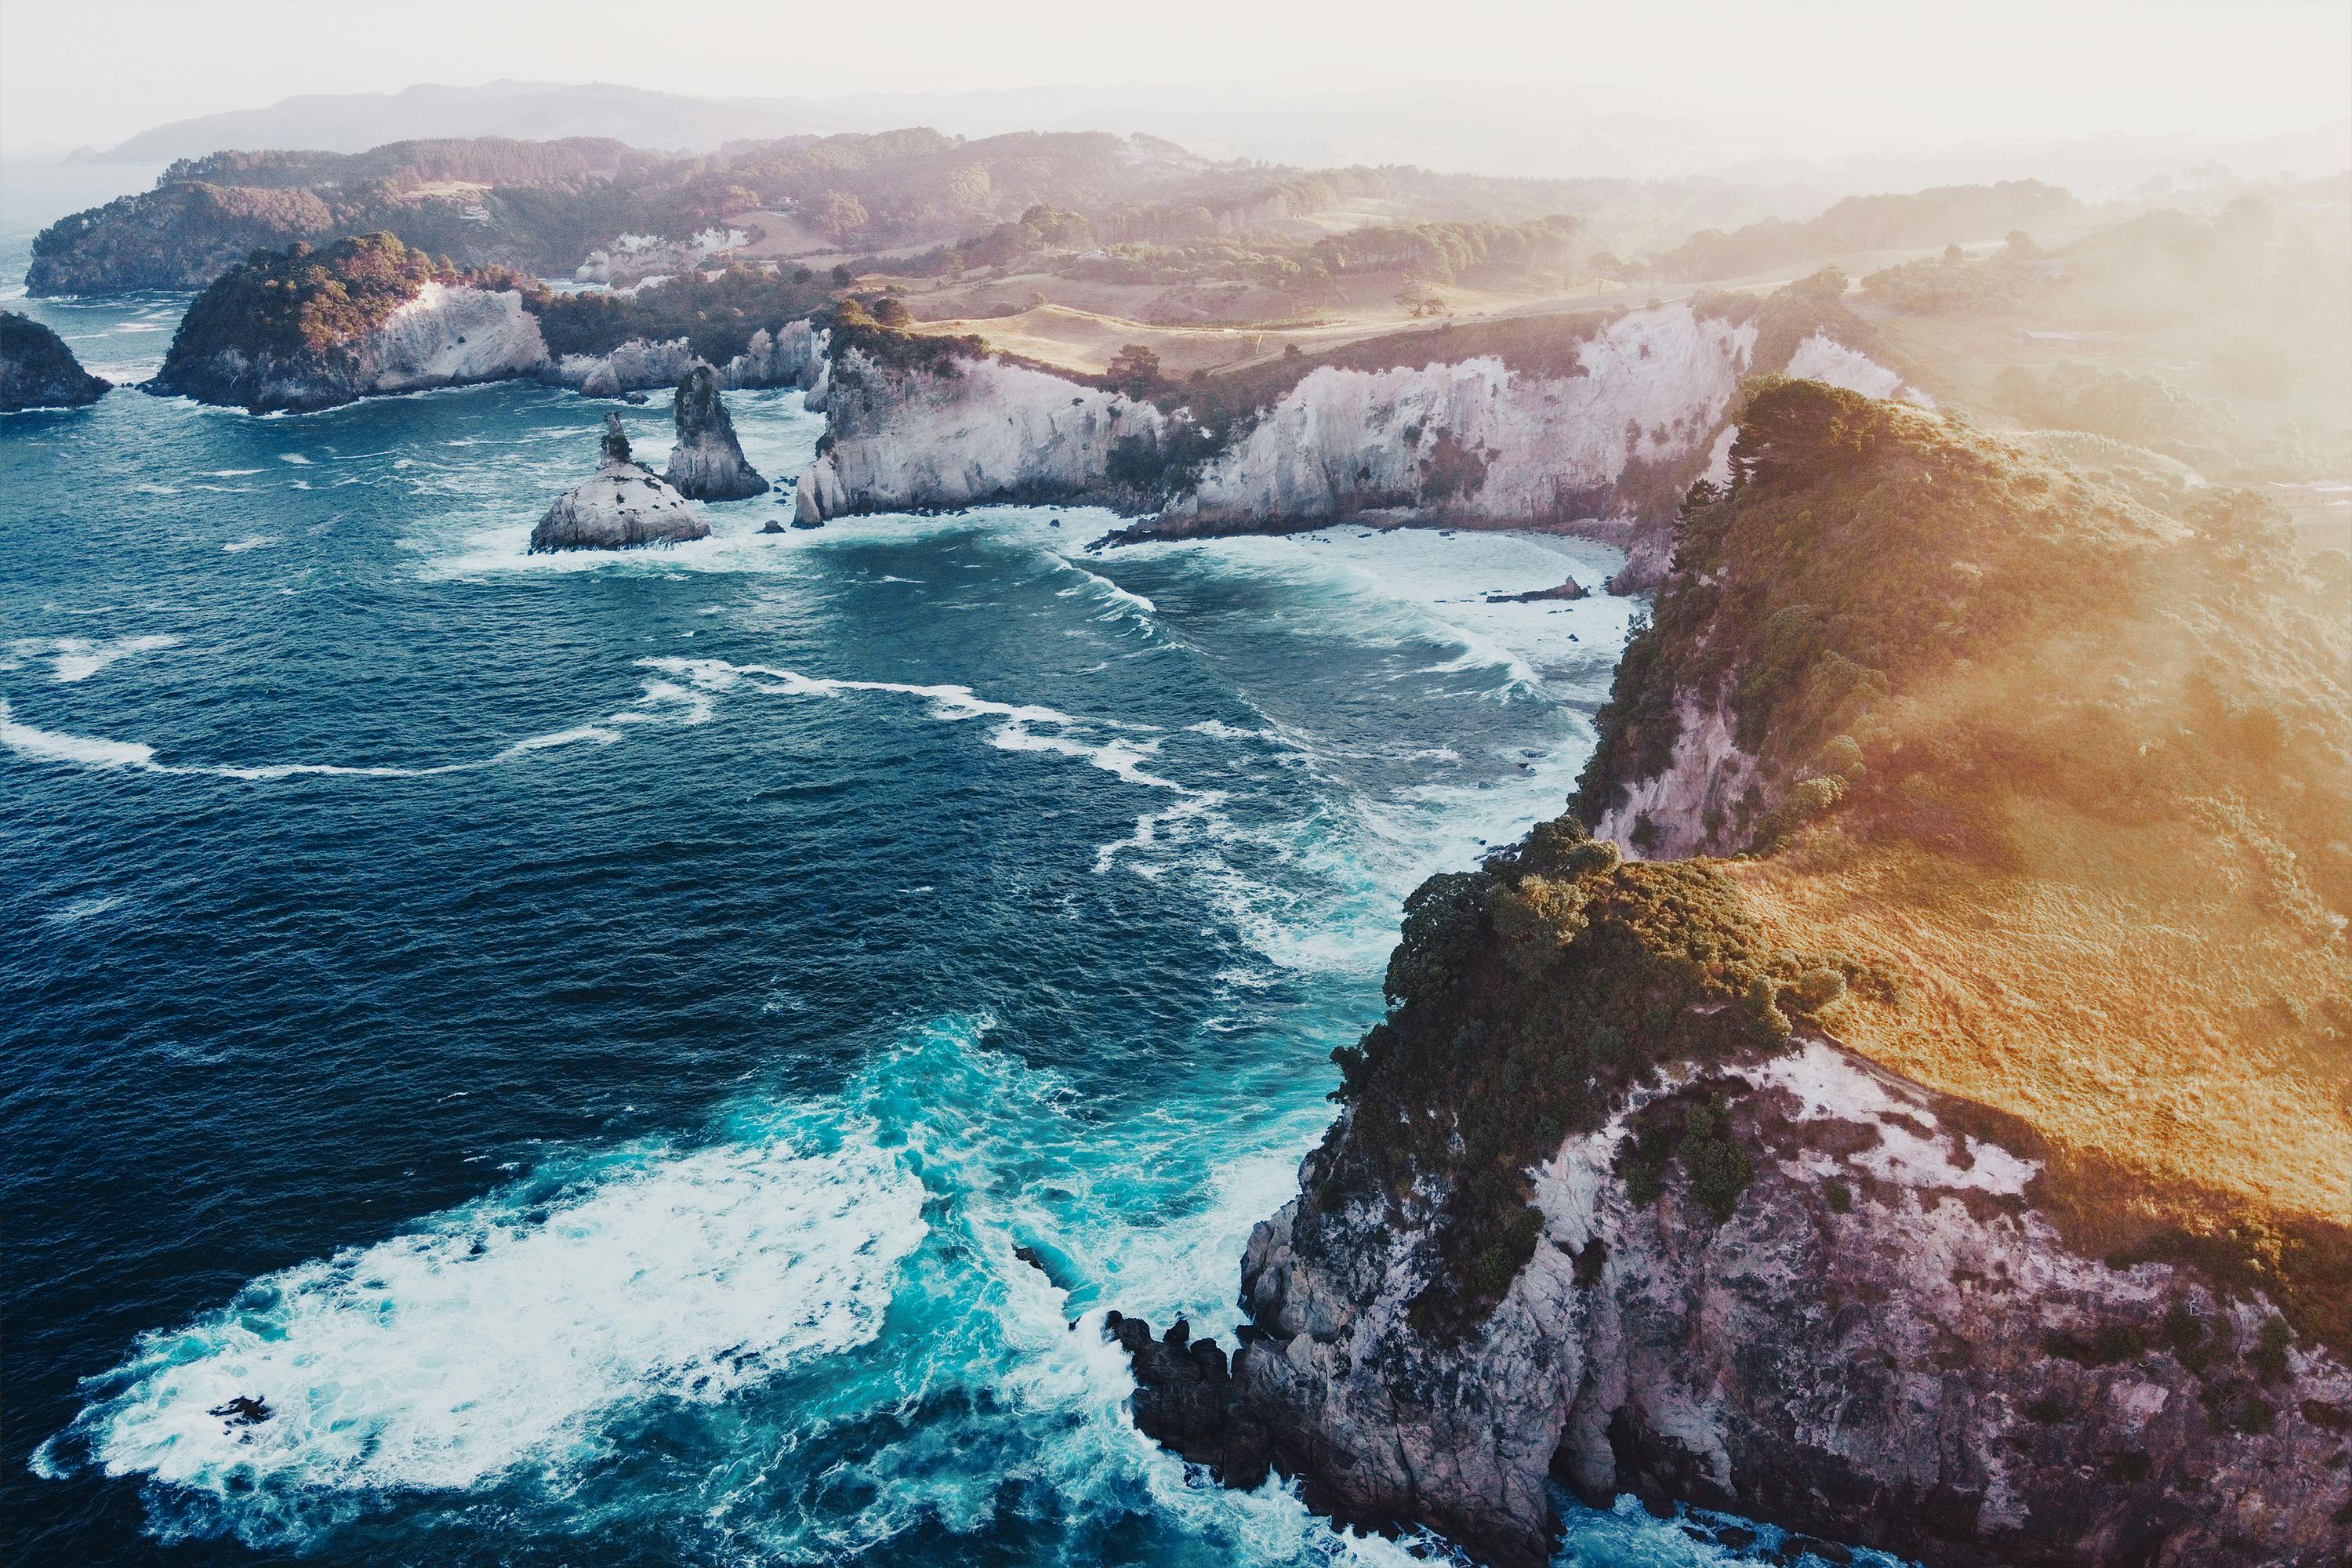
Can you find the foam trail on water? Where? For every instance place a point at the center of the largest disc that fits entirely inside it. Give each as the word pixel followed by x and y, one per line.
pixel 664 703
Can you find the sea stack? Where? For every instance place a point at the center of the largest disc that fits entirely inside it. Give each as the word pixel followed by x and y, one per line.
pixel 38 371
pixel 625 504
pixel 708 462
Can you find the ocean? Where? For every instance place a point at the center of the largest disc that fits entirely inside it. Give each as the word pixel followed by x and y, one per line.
pixel 581 1037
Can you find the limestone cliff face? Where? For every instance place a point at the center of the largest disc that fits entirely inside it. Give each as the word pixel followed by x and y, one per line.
pixel 1604 448
pixel 1692 807
pixel 789 357
pixel 445 336
pixel 1884 1344
pixel 1473 443
pixel 38 371
pixel 973 431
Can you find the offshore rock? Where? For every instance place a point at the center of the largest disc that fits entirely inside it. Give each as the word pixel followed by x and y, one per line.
pixel 1184 1399
pixel 1571 589
pixel 708 463
pixel 1887 1342
pixel 38 371
pixel 623 506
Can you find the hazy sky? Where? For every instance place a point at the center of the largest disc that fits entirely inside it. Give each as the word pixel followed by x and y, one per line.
pixel 74 72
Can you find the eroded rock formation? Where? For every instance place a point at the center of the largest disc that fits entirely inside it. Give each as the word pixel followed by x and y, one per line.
pixel 1602 444
pixel 623 505
pixel 708 463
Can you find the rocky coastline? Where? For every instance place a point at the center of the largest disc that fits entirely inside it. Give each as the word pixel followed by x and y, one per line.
pixel 1617 1203
pixel 1599 444
pixel 38 371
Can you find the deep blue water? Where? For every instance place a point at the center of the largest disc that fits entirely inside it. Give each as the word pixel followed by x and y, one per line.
pixel 582 1037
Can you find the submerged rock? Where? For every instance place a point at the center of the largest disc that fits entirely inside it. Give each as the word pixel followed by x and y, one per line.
pixel 1571 589
pixel 708 462
pixel 38 371
pixel 625 504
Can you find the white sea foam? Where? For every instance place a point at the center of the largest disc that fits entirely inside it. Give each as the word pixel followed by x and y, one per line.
pixel 78 659
pixel 297 459
pixel 50 746
pixel 508 1330
pixel 250 541
pixel 663 703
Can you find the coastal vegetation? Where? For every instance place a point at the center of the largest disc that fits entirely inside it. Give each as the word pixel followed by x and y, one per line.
pixel 316 302
pixel 2107 913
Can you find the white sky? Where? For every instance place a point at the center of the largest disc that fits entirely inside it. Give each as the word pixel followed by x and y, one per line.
pixel 74 72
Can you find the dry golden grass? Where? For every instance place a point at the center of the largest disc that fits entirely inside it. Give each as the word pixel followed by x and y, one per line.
pixel 2169 1025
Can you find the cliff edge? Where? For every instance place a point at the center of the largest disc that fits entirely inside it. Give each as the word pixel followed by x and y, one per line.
pixel 1590 424
pixel 1961 1170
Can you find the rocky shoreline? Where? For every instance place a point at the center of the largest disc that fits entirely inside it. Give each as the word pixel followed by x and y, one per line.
pixel 1886 1344
pixel 1616 1204
pixel 1601 445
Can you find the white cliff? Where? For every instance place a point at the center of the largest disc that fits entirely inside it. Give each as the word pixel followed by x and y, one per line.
pixel 450 336
pixel 1472 442
pixel 977 430
pixel 1692 807
pixel 1823 358
pixel 1885 1342
pixel 790 356
pixel 447 335
pixel 1605 450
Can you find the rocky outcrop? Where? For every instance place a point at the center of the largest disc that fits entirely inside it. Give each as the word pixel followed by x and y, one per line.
pixel 1571 589
pixel 1697 804
pixel 790 356
pixel 1885 1342
pixel 445 335
pixel 963 432
pixel 1600 449
pixel 38 371
pixel 623 506
pixel 708 463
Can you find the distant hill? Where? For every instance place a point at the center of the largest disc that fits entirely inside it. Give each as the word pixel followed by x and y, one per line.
pixel 545 111
pixel 1518 128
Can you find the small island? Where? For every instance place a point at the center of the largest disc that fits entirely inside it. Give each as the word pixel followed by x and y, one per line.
pixel 38 371
pixel 623 506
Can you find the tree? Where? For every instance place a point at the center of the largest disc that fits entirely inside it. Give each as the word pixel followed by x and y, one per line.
pixel 1136 370
pixel 842 276
pixel 1420 299
pixel 893 313
pixel 839 215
